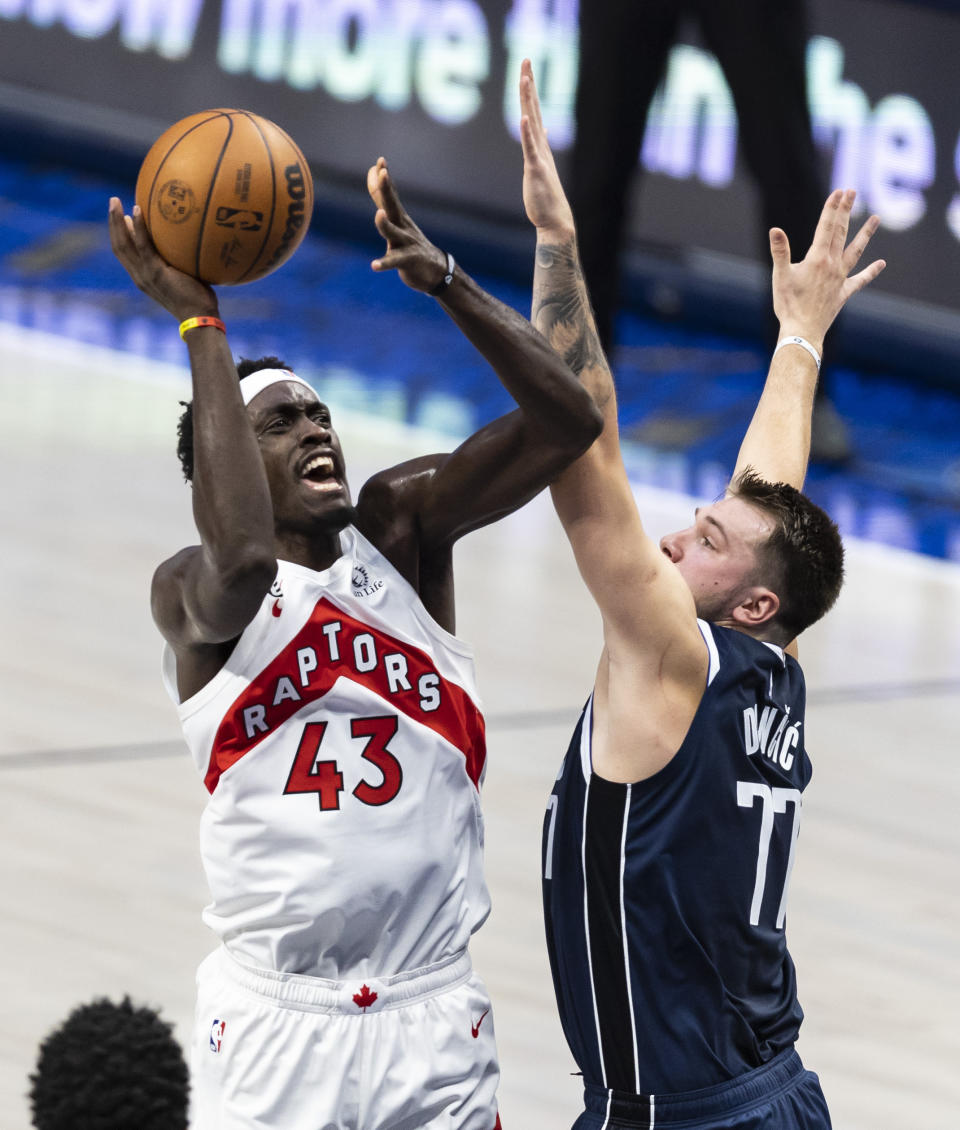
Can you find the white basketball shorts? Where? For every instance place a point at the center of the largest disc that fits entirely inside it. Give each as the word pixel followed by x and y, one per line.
pixel 287 1052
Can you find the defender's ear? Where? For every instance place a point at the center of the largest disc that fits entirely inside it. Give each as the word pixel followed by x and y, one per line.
pixel 757 606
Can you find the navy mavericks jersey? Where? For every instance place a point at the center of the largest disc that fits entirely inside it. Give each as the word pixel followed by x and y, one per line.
pixel 665 900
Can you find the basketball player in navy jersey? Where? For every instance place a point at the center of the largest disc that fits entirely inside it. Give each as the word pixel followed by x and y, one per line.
pixel 670 835
pixel 335 719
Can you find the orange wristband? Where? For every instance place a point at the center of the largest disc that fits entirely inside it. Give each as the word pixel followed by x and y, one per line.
pixel 203 320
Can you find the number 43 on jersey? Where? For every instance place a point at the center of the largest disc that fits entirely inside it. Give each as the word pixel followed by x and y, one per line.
pixel 309 775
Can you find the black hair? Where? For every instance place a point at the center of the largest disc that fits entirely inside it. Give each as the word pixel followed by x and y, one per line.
pixel 185 427
pixel 801 560
pixel 110 1067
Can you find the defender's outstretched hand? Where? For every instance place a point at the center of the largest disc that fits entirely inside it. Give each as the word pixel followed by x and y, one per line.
pixel 181 294
pixel 807 296
pixel 543 196
pixel 420 264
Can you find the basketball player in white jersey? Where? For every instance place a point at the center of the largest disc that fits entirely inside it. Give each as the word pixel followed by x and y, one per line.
pixel 671 828
pixel 335 718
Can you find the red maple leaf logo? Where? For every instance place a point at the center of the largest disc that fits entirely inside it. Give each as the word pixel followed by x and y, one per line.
pixel 364 998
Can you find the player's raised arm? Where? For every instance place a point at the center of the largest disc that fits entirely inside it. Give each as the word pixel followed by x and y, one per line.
pixel 507 462
pixel 807 296
pixel 208 594
pixel 643 600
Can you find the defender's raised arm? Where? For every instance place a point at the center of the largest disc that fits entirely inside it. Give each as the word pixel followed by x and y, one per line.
pixel 642 599
pixel 807 296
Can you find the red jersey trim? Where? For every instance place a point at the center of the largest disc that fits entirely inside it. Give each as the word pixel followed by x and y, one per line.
pixel 331 645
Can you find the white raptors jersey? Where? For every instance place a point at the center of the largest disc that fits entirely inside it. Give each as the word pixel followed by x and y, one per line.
pixel 343 748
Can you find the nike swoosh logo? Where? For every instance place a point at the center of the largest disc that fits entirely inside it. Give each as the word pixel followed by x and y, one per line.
pixel 276 608
pixel 475 1028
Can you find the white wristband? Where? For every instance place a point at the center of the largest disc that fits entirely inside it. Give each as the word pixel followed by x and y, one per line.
pixel 803 343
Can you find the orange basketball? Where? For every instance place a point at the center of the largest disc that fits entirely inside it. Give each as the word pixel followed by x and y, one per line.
pixel 227 196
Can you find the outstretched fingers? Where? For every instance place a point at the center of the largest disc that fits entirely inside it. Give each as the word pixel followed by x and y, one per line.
pixel 779 247
pixel 531 142
pixel 831 239
pixel 140 235
pixel 851 256
pixel 533 135
pixel 390 262
pixel 529 99
pixel 120 228
pixel 391 232
pixel 391 220
pixel 824 236
pixel 389 200
pixel 373 181
pixel 130 242
pixel 115 225
pixel 858 244
pixel 864 277
pixel 841 223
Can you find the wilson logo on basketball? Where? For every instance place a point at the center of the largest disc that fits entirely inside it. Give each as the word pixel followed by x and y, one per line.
pixel 297 190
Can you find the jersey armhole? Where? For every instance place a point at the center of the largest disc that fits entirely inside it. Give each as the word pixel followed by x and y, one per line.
pixel 676 763
pixel 586 740
pixel 713 666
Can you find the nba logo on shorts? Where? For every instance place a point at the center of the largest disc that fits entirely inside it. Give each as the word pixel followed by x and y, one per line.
pixel 216 1034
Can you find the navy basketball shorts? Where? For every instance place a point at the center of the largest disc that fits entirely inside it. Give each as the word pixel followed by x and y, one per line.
pixel 781 1095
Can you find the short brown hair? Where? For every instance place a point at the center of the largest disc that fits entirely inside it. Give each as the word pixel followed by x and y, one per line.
pixel 802 560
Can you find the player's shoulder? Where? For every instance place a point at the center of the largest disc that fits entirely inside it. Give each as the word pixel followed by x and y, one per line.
pixel 386 514
pixel 197 661
pixel 168 578
pixel 176 564
pixel 389 501
pixel 401 479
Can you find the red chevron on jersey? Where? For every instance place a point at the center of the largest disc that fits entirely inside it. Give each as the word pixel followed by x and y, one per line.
pixel 331 645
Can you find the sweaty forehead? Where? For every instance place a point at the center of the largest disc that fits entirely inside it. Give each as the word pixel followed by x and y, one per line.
pixel 290 394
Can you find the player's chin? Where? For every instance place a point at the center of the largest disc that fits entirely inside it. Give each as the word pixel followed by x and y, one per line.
pixel 332 512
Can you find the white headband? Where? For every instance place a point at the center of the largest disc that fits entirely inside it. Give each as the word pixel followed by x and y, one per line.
pixel 254 384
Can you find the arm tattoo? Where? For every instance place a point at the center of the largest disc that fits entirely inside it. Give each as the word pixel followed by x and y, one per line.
pixel 561 311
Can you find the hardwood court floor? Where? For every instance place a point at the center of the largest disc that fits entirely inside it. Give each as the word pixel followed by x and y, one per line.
pixel 99 874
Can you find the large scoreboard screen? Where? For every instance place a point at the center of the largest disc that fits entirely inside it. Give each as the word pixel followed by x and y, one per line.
pixel 432 85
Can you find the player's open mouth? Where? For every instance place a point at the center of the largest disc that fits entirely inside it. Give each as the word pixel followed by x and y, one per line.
pixel 318 474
